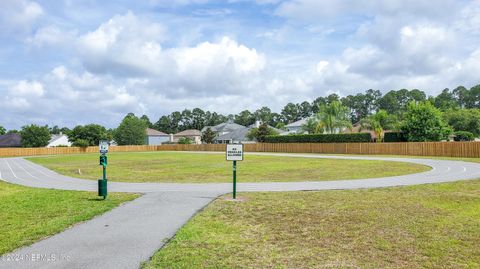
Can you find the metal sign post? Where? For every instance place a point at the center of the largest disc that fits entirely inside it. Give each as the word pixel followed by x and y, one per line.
pixel 102 183
pixel 234 153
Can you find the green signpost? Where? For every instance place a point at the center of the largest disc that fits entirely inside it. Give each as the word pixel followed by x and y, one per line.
pixel 234 153
pixel 102 183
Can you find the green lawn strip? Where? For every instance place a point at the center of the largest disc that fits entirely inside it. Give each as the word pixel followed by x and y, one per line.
pixel 426 226
pixel 30 214
pixel 184 167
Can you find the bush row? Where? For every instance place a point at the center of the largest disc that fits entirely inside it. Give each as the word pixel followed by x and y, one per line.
pixel 395 137
pixel 464 136
pixel 319 138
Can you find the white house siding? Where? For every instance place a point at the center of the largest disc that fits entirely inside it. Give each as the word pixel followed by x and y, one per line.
pixel 157 140
pixel 60 141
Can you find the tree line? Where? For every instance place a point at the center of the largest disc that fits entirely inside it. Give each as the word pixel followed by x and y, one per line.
pixel 359 107
pixel 458 107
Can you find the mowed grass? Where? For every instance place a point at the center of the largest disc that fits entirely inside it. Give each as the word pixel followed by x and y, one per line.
pixel 29 214
pixel 426 226
pixel 205 168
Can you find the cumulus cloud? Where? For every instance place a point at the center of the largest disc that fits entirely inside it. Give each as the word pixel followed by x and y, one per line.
pixel 324 9
pixel 136 63
pixel 128 46
pixel 27 89
pixel 51 36
pixel 18 15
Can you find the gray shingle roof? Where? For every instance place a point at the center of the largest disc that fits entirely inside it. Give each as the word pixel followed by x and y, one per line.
pixel 297 123
pixel 153 132
pixel 10 141
pixel 224 127
pixel 191 132
pixel 237 135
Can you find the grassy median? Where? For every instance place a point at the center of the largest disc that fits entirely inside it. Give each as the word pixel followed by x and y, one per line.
pixel 205 168
pixel 29 214
pixel 427 226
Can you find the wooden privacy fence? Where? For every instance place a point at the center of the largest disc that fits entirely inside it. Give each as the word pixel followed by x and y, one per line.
pixel 444 149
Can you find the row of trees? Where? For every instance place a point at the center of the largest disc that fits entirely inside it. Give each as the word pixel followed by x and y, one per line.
pixel 458 107
pixel 359 106
pixel 421 121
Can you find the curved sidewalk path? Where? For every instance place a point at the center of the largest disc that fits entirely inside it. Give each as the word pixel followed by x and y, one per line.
pixel 130 234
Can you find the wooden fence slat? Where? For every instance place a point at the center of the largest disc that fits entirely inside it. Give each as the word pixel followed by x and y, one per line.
pixel 443 149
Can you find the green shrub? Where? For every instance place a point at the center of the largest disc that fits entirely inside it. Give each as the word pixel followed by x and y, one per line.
pixel 184 140
pixel 394 137
pixel 82 143
pixel 320 138
pixel 464 136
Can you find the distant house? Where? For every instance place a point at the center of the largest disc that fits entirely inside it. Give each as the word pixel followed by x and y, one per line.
pixel 240 135
pixel 235 136
pixel 356 128
pixel 155 137
pixel 10 141
pixel 59 140
pixel 224 128
pixel 296 127
pixel 192 134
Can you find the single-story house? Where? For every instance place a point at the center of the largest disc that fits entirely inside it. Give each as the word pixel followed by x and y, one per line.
pixel 59 140
pixel 224 128
pixel 155 137
pixel 236 136
pixel 240 135
pixel 192 134
pixel 12 140
pixel 296 127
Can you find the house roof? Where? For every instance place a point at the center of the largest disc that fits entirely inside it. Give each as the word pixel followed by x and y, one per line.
pixel 240 134
pixel 153 132
pixel 224 127
pixel 297 123
pixel 10 141
pixel 236 135
pixel 191 132
pixel 269 126
pixel 55 137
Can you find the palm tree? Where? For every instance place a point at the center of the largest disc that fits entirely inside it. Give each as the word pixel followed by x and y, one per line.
pixel 379 122
pixel 310 126
pixel 333 118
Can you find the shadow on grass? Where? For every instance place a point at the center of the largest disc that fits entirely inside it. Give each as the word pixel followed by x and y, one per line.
pixel 96 199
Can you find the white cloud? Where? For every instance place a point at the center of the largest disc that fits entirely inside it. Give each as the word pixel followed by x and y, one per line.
pixel 52 36
pixel 318 10
pixel 18 15
pixel 27 89
pixel 128 47
pixel 141 63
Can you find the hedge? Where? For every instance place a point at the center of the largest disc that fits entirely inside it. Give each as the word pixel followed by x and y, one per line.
pixel 320 138
pixel 395 137
pixel 464 136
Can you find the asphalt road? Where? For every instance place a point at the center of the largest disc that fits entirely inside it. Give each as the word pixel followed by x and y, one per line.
pixel 130 234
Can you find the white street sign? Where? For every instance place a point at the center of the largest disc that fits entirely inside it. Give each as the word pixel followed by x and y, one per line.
pixel 234 152
pixel 103 147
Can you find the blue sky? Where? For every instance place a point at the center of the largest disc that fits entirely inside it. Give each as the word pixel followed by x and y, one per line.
pixel 76 62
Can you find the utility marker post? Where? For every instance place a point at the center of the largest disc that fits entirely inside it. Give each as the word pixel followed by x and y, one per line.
pixel 234 153
pixel 102 183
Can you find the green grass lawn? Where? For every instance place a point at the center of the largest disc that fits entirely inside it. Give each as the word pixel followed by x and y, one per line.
pixel 204 168
pixel 29 214
pixel 427 226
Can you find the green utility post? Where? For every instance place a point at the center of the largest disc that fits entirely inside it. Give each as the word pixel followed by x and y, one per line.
pixel 102 183
pixel 234 179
